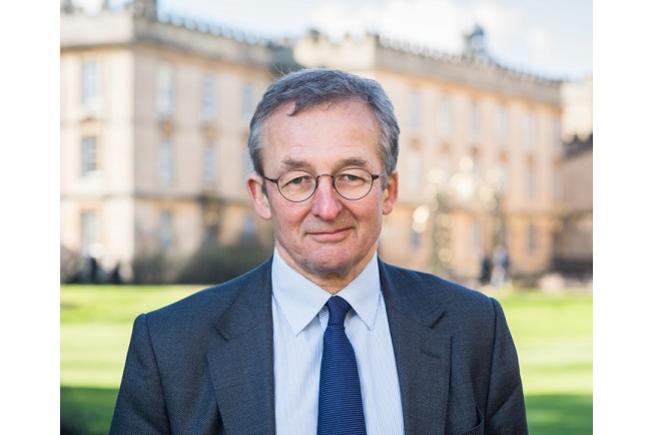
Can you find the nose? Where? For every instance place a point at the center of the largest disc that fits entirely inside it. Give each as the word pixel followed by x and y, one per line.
pixel 326 203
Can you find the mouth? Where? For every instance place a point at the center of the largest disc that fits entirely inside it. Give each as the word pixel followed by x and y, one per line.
pixel 329 236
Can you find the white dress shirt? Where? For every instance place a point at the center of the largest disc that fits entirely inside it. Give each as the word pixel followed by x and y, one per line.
pixel 299 321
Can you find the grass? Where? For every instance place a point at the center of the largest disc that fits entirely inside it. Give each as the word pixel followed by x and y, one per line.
pixel 552 333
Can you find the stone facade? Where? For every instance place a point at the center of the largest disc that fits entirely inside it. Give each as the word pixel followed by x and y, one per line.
pixel 574 236
pixel 154 123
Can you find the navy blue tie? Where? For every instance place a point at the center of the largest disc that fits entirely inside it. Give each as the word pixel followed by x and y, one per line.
pixel 340 409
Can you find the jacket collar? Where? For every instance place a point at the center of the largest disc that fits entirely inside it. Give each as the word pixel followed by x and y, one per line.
pixel 241 357
pixel 422 349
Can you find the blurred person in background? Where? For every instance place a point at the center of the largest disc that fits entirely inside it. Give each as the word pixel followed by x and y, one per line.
pixel 500 269
pixel 324 338
pixel 485 269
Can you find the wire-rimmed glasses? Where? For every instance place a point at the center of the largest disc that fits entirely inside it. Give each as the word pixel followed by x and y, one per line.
pixel 350 183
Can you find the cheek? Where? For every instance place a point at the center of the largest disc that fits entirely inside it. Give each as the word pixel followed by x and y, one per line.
pixel 369 214
pixel 286 216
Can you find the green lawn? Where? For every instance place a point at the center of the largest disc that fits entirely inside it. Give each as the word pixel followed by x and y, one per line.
pixel 552 333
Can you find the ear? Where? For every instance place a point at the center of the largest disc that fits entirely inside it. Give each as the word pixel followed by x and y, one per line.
pixel 390 193
pixel 259 199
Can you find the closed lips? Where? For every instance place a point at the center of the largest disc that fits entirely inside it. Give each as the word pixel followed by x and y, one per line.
pixel 328 231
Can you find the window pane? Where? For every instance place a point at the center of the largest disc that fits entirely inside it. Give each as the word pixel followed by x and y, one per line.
pixel 503 177
pixel 529 130
pixel 531 183
pixel 446 117
pixel 475 121
pixel 209 163
pixel 208 97
pixel 414 110
pixel 90 82
pixel 89 155
pixel 165 90
pixel 166 162
pixel 166 229
pixel 501 127
pixel 89 232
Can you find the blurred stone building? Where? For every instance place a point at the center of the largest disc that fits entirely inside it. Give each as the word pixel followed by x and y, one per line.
pixel 154 121
pixel 574 238
pixel 154 124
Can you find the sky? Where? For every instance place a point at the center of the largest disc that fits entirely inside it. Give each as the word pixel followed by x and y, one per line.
pixel 550 38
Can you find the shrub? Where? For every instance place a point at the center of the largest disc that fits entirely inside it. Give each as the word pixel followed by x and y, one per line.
pixel 153 269
pixel 215 264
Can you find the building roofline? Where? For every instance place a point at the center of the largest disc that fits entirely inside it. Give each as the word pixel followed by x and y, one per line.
pixel 481 62
pixel 445 63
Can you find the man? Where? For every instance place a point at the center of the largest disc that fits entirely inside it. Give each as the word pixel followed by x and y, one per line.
pixel 324 337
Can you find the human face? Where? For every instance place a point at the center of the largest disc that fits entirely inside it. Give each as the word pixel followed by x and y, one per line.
pixel 326 238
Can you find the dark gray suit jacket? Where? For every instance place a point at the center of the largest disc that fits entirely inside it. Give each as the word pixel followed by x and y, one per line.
pixel 204 365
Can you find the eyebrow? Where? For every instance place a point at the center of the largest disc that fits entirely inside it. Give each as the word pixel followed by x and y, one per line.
pixel 290 164
pixel 353 161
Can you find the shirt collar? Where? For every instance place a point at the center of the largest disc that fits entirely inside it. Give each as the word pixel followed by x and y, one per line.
pixel 301 300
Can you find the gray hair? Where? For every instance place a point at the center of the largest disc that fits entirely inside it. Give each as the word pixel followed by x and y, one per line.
pixel 310 87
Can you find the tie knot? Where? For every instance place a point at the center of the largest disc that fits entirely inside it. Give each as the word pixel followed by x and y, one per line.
pixel 338 308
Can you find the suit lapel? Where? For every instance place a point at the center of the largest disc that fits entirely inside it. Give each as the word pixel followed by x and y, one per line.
pixel 241 359
pixel 422 355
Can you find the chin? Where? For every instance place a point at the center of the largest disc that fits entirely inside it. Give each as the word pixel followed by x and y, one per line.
pixel 338 261
pixel 327 266
pixel 327 259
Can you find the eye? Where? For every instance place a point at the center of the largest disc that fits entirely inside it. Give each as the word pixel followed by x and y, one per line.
pixel 299 180
pixel 351 177
pixel 296 179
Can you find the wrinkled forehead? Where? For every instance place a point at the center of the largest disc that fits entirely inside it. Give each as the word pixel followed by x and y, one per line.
pixel 334 133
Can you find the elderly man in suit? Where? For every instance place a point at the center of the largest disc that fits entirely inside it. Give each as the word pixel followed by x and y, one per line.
pixel 324 338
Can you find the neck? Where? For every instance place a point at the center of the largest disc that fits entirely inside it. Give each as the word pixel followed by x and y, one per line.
pixel 330 281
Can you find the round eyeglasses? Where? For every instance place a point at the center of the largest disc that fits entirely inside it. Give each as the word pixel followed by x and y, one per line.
pixel 350 183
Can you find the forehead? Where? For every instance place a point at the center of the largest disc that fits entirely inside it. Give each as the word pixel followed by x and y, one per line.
pixel 321 137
